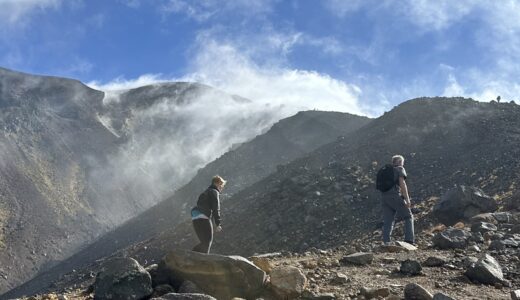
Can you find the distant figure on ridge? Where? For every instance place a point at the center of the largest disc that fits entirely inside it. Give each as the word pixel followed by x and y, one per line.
pixel 208 207
pixel 498 99
pixel 395 199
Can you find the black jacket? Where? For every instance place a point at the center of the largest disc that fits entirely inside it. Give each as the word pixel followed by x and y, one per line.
pixel 209 203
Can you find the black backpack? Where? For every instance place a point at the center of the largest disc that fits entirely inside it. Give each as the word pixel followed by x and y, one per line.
pixel 385 178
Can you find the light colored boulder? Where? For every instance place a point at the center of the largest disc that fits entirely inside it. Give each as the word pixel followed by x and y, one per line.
pixel 223 277
pixel 288 282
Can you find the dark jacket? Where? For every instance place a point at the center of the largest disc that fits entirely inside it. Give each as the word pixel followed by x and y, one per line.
pixel 209 203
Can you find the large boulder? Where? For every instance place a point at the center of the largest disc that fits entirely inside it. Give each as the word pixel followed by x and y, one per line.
pixel 122 278
pixel 462 203
pixel 451 238
pixel 485 270
pixel 223 277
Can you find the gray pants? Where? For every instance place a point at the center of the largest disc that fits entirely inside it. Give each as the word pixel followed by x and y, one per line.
pixel 393 204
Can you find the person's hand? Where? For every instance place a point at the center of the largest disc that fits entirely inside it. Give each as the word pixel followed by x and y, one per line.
pixel 219 228
pixel 408 203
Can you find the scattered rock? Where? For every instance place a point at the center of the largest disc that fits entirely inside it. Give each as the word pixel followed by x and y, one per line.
pixel 502 217
pixel 486 217
pixel 375 293
pixel 413 291
pixel 122 278
pixel 462 203
pixel 382 272
pixel 451 238
pixel 442 296
pixel 178 296
pixel 515 228
pixel 288 282
pixel 483 227
pixel 497 245
pixel 340 279
pixel 410 267
pixel 308 295
pixel 406 246
pixel 510 242
pixel 485 270
pixel 468 261
pixel 473 248
pixel 223 277
pixel 515 295
pixel 152 270
pixel 189 287
pixel 262 263
pixel 161 290
pixel 360 258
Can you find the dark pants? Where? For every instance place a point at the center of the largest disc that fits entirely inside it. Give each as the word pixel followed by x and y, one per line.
pixel 393 204
pixel 204 230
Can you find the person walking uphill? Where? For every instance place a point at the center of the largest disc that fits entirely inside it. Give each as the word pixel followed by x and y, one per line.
pixel 395 199
pixel 208 207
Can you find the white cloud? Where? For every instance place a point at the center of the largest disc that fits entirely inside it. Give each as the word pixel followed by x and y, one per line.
pixel 203 10
pixel 434 15
pixel 14 11
pixel 221 65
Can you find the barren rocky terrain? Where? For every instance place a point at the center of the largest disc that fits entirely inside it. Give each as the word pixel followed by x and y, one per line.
pixel 324 206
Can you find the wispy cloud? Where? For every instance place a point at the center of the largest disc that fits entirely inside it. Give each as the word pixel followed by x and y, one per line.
pixel 203 10
pixel 15 11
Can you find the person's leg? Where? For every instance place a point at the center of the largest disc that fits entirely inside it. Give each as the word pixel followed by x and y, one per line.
pixel 405 213
pixel 409 236
pixel 388 221
pixel 204 230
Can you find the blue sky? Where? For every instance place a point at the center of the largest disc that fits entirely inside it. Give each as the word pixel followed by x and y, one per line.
pixel 361 56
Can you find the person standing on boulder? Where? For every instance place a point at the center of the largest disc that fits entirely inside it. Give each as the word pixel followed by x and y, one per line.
pixel 208 207
pixel 395 199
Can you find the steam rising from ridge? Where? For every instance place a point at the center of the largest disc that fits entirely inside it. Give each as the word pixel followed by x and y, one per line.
pixel 165 143
pixel 170 140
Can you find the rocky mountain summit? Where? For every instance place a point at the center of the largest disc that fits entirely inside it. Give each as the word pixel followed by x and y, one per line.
pixel 321 212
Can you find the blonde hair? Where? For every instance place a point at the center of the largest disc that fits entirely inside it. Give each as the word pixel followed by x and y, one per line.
pixel 218 180
pixel 397 160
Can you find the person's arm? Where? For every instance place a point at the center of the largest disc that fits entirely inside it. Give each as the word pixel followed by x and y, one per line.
pixel 404 191
pixel 215 207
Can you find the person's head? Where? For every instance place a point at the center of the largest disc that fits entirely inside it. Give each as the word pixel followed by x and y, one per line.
pixel 398 160
pixel 219 182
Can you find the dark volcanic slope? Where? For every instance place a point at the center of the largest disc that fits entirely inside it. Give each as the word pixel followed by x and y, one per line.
pixel 46 126
pixel 329 196
pixel 76 162
pixel 243 166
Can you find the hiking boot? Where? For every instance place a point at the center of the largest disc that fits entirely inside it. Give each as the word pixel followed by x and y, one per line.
pixel 411 243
